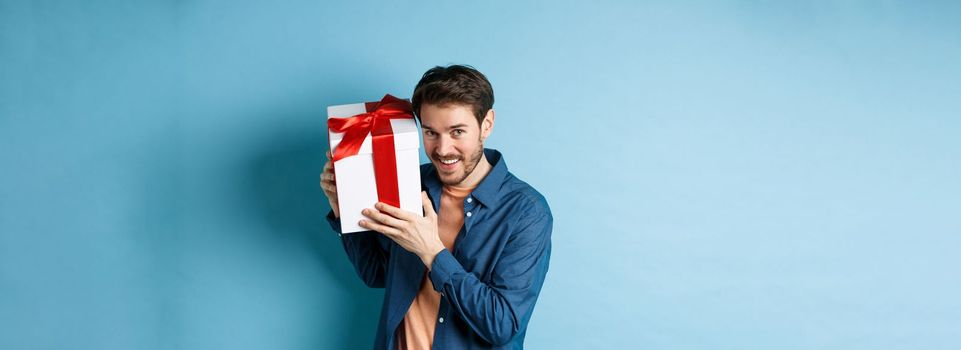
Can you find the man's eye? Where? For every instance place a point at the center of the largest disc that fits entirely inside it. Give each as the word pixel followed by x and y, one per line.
pixel 458 132
pixel 429 133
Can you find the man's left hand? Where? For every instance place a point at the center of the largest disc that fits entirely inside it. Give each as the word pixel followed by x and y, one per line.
pixel 414 233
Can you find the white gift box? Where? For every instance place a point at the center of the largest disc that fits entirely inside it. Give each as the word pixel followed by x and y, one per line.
pixel 356 184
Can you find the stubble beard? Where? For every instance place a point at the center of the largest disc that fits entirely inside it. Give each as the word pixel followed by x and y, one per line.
pixel 468 167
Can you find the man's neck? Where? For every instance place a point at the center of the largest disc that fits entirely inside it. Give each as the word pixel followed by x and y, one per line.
pixel 480 171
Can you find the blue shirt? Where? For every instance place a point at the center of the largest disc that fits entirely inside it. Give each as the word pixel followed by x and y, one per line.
pixel 489 283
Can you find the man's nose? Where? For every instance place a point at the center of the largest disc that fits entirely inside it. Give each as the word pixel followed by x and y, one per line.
pixel 445 145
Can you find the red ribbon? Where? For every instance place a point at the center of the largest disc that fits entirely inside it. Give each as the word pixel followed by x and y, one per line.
pixel 376 122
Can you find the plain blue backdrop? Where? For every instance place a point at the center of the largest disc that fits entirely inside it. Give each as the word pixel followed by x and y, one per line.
pixel 723 175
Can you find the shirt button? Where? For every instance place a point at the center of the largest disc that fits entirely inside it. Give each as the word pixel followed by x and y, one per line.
pixel 468 214
pixel 469 199
pixel 441 320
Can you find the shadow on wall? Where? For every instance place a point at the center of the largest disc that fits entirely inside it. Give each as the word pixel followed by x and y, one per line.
pixel 284 183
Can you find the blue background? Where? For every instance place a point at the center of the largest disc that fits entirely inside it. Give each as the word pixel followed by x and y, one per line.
pixel 723 175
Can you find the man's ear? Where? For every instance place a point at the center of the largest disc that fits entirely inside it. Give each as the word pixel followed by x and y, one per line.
pixel 487 125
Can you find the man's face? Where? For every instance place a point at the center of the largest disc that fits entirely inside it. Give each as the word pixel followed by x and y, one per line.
pixel 453 140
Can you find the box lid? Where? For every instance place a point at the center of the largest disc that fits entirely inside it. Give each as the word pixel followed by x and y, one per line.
pixel 406 133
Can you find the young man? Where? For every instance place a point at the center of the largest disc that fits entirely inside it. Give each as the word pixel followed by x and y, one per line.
pixel 467 274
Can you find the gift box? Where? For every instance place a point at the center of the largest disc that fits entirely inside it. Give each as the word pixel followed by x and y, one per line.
pixel 375 148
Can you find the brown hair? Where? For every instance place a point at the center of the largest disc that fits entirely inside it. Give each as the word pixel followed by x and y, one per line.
pixel 454 84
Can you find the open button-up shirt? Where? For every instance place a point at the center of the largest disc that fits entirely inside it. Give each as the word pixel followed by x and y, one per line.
pixel 489 283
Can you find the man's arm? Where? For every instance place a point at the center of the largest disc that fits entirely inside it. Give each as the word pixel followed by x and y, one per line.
pixel 502 309
pixel 367 251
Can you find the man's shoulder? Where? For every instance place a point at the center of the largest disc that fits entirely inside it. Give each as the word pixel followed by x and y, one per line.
pixel 528 210
pixel 523 197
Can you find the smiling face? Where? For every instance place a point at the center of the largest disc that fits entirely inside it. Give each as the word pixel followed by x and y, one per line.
pixel 454 142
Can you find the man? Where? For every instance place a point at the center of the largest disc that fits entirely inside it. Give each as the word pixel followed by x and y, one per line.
pixel 467 274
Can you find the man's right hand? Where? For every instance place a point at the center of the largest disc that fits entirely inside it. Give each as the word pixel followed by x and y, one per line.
pixel 329 184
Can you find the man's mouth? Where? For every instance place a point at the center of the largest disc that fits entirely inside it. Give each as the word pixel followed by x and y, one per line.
pixel 448 164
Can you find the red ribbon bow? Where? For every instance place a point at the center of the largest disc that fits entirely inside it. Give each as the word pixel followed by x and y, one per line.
pixel 376 122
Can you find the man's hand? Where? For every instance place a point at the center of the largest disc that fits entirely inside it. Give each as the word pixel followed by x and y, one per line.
pixel 412 232
pixel 329 183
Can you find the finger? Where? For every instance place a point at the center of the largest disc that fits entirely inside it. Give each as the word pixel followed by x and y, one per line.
pixel 329 170
pixel 328 187
pixel 393 211
pixel 328 177
pixel 328 154
pixel 383 218
pixel 370 225
pixel 428 206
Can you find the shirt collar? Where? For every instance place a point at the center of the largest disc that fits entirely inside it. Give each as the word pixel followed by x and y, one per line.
pixel 487 191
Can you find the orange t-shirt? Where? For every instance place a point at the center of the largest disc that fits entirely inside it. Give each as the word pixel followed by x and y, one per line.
pixel 416 331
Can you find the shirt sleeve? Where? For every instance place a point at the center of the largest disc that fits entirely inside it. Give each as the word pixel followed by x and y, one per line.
pixel 367 251
pixel 500 310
